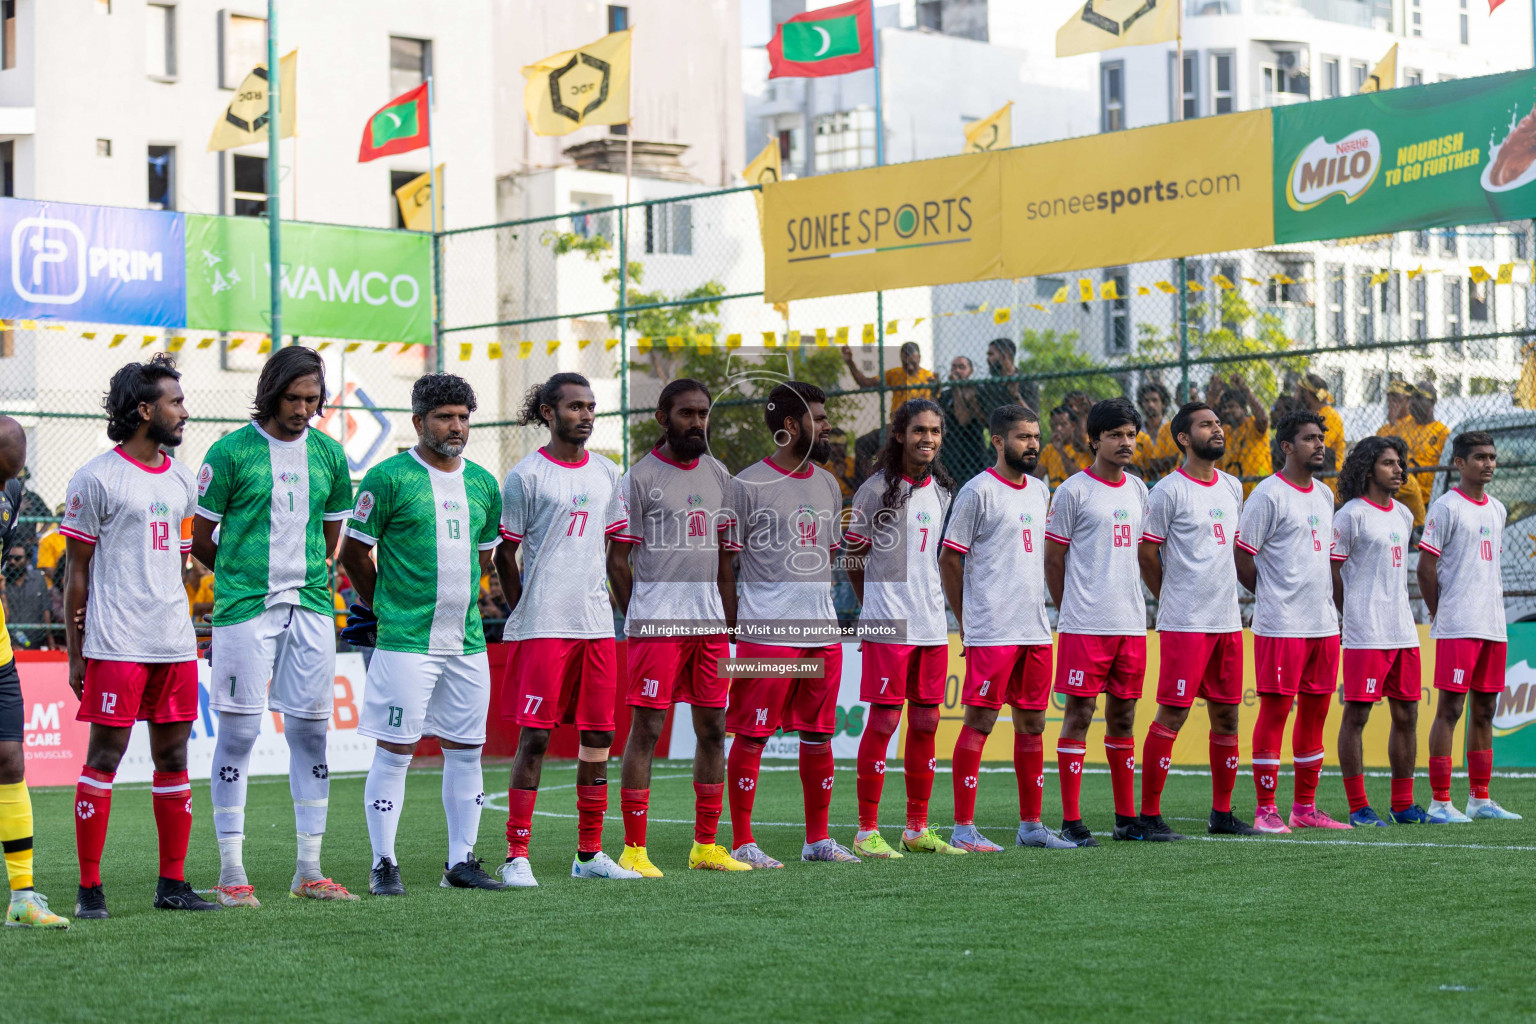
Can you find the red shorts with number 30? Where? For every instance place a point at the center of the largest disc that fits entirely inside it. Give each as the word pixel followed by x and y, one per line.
pixel 677 670
pixel 1018 675
pixel 122 692
pixel 1371 674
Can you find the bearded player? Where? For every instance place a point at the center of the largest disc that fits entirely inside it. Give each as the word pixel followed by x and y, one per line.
pixel 787 511
pixel 892 545
pixel 993 568
pixel 137 659
pixel 672 578
pixel 278 492
pixel 1460 581
pixel 1381 644
pixel 429 515
pixel 563 507
pixel 1096 518
pixel 1186 563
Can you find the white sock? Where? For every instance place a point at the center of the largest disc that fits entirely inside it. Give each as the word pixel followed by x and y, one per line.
pixel 383 793
pixel 463 797
pixel 309 781
pixel 231 766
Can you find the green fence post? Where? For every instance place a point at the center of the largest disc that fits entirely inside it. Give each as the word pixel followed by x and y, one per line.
pixel 437 298
pixel 1183 333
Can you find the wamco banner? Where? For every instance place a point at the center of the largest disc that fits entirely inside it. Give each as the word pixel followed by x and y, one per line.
pixel 338 282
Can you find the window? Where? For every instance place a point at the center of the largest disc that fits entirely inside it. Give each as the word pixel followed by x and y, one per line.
pixel 1519 239
pixel 8 34
pixel 1112 97
pixel 160 40
pixel 1413 76
pixel 1375 386
pixel 410 64
pixel 7 168
pixel 1331 78
pixel 1365 310
pixel 1047 287
pixel 786 144
pixel 1418 242
pixel 1280 82
pixel 162 177
pixel 1117 334
pixel 1188 109
pixel 1418 307
pixel 1450 387
pixel 1359 71
pixel 1477 301
pixel 845 141
pixel 243 45
pixel 1480 244
pixel 103 147
pixel 1391 295
pixel 1448 242
pixel 1222 92
pixel 618 18
pixel 398 180
pixel 1416 17
pixel 1294 292
pixel 250 191
pixel 1333 285
pixel 1463 17
pixel 1453 311
pixel 592 225
pixel 669 228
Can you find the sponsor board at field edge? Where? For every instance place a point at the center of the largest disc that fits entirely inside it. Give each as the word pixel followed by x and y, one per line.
pixel 338 282
pixel 54 743
pixel 91 263
pixel 1514 718
pixel 1461 152
pixel 1150 193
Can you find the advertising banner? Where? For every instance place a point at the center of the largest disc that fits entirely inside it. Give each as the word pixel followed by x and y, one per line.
pixel 1514 719
pixel 338 282
pixel 97 264
pixel 1461 152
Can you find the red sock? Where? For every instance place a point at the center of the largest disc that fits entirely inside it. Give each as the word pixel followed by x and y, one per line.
pixel 1029 766
pixel 1354 791
pixel 1223 771
pixel 967 770
pixel 919 764
pixel 1402 793
pixel 634 804
pixel 1156 759
pixel 1440 777
pixel 173 821
pixel 1307 743
pixel 1121 751
pixel 707 797
pixel 591 805
pixel 1309 768
pixel 741 767
pixel 816 772
pixel 1268 731
pixel 1069 762
pixel 874 744
pixel 1480 768
pixel 520 820
pixel 93 806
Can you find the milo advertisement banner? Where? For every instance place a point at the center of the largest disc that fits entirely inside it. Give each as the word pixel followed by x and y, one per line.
pixel 1514 720
pixel 1461 152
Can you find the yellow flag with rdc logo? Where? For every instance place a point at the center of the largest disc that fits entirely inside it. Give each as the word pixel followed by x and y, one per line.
pixel 995 131
pixel 589 85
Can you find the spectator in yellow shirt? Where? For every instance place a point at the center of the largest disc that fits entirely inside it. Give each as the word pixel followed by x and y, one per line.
pixel 50 547
pixel 909 380
pixel 198 583
pixel 1399 424
pixel 1061 457
pixel 1312 391
pixel 1426 435
pixel 1156 454
pixel 1246 425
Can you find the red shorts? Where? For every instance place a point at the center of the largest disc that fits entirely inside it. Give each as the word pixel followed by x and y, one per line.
pixel 893 673
pixel 1016 674
pixel 1371 674
pixel 554 680
pixel 1289 665
pixel 759 706
pixel 122 692
pixel 677 670
pixel 1204 665
pixel 1468 663
pixel 1087 665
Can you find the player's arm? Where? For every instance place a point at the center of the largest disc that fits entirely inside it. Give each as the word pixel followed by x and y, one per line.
pixel 952 576
pixel 620 577
pixel 77 584
pixel 1151 567
pixel 1338 584
pixel 1055 569
pixel 505 560
pixel 205 550
pixel 855 549
pixel 726 581
pixel 357 558
pixel 1247 569
pixel 331 528
pixel 1429 580
pixel 485 561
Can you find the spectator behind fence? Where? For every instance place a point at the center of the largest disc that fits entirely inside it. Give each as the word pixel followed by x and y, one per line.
pixel 198 583
pixel 1246 425
pixel 1061 457
pixel 909 380
pixel 965 422
pixel 494 609
pixel 50 546
pixel 1312 393
pixel 1399 424
pixel 1156 454
pixel 28 603
pixel 1001 362
pixel 1427 435
pixel 841 463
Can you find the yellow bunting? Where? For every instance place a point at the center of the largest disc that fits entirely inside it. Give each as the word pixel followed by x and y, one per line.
pixel 705 342
pixel 208 343
pixel 821 337
pixel 352 346
pixel 1253 281
pixel 643 345
pixel 53 327
pixel 1282 279
pixel 465 351
pixel 1142 289
pixel 869 334
pixel 918 321
pixel 380 347
pixel 1418 271
pixel 28 325
pixel 770 340
pixel 1085 289
pixel 550 347
pixel 318 348
pixel 493 350
pixel 581 345
pixel 236 342
pixel 266 346
pixel 792 339
pixel 983 307
pixel 890 326
pixel 1195 286
pixel 842 336
pixel 733 341
pixel 610 344
pixel 1001 315
pixel 88 335
pixel 1506 274
pixel 1109 290
pixel 117 339
pixel 674 342
pixel 524 349
pixel 1380 277
pixel 1036 305
pixel 1166 287
pixel 1061 294
pixel 175 344
pixel 1223 282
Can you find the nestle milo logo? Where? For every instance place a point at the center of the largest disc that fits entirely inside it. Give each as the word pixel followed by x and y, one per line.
pixel 1347 167
pixel 1313 521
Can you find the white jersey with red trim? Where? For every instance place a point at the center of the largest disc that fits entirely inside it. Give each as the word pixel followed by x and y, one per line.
pixel 999 527
pixel 678 514
pixel 1372 542
pixel 562 514
pixel 1101 523
pixel 903 595
pixel 1195 523
pixel 1468 539
pixel 1287 529
pixel 136 609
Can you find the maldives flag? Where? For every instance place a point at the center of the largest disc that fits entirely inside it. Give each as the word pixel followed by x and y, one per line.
pixel 399 126
pixel 831 41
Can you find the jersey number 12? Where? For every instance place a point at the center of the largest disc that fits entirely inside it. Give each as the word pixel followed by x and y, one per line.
pixel 160 536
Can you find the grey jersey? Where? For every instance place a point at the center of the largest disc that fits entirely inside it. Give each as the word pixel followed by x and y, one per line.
pixel 133 515
pixel 1468 539
pixel 787 526
pixel 903 597
pixel 1194 525
pixel 1102 525
pixel 677 513
pixel 1372 542
pixel 562 513
pixel 1286 530
pixel 999 527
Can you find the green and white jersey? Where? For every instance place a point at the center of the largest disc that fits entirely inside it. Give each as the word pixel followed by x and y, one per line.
pixel 430 528
pixel 271 499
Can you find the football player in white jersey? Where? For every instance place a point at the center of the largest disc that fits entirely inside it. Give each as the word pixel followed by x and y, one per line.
pixel 1462 585
pixel 993 567
pixel 1381 643
pixel 892 560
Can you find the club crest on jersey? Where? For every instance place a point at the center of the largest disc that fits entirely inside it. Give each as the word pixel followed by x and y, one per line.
pixel 159 508
pixel 695 500
pixel 449 505
pixel 204 478
pixel 1313 520
pixel 1217 513
pixel 580 500
pixel 924 518
pixel 1395 537
pixel 1026 518
pixel 809 510
pixel 1483 531
pixel 1121 515
pixel 72 510
pixel 364 507
pixel 288 478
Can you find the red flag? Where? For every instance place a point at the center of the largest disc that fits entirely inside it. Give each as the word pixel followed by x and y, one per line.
pixel 399 126
pixel 831 41
pixel 1493 5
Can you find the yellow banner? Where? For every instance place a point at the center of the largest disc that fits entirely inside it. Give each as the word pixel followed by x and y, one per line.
pixel 579 87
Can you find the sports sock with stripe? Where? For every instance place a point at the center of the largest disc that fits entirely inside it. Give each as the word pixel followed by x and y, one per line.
pixel 707 798
pixel 1480 771
pixel 967 773
pixel 16 833
pixel 817 770
pixel 1156 759
pixel 1069 762
pixel 1307 743
pixel 172 793
pixel 520 820
pixel 1268 734
pixel 919 763
pixel 741 767
pixel 634 805
pixel 463 799
pixel 309 783
pixel 879 726
pixel 231 766
pixel 1224 755
pixel 1121 751
pixel 93 806
pixel 383 793
pixel 1029 767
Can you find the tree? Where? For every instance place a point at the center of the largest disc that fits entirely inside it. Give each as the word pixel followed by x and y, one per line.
pixel 1243 331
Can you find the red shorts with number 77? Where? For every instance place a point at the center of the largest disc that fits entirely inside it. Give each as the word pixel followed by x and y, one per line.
pixel 552 680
